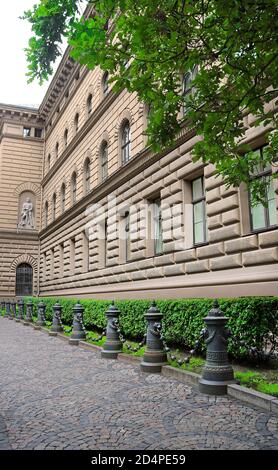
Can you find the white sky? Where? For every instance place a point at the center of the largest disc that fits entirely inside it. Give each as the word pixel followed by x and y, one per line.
pixel 14 35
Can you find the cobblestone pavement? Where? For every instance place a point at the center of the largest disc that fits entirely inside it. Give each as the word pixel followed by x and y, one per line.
pixel 57 396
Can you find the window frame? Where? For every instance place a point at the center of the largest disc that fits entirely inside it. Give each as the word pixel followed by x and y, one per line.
pixel 104 162
pixel 46 214
pixel 76 123
pixel 105 84
pixel 87 176
pixel 262 174
pixel 189 89
pixel 89 104
pixel 125 143
pixel 157 226
pixel 74 188
pixel 66 135
pixel 127 236
pixel 204 220
pixel 63 198
pixel 54 206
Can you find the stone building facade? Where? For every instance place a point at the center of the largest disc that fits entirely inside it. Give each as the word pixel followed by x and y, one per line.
pixel 111 219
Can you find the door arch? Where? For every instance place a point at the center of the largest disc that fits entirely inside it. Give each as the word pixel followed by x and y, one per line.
pixel 24 280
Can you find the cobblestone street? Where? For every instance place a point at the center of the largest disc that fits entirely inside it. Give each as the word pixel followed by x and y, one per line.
pixel 57 396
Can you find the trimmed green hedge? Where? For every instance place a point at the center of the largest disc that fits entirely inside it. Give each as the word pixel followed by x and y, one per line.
pixel 252 320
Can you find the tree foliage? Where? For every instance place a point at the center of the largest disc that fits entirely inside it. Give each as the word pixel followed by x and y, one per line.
pixel 149 46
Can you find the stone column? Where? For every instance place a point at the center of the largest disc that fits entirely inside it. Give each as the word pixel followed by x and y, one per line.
pixel 155 355
pixel 217 372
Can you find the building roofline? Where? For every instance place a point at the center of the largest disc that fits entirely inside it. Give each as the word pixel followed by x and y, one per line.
pixel 18 107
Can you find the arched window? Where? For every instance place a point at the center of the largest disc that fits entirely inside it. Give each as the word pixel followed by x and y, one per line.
pixel 87 174
pixel 188 89
pixel 105 84
pixel 104 160
pixel 46 213
pixel 48 162
pixel 125 142
pixel 73 188
pixel 63 198
pixel 24 280
pixel 76 122
pixel 66 134
pixel 54 201
pixel 57 149
pixel 89 104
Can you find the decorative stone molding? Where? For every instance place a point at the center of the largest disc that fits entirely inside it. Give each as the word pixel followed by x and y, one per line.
pixel 127 115
pixel 24 259
pixel 89 91
pixel 28 186
pixel 104 138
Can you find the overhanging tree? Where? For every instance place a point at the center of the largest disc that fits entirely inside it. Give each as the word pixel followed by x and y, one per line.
pixel 153 47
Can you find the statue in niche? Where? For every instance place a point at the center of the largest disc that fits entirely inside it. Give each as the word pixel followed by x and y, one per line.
pixel 27 215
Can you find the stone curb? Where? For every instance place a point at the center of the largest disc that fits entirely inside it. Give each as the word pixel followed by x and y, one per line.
pixel 123 357
pixel 181 375
pixel 261 400
pixel 85 345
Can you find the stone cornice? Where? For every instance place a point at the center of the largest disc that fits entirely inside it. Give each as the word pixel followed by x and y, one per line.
pixel 63 77
pixel 19 234
pixel 67 102
pixel 91 121
pixel 8 135
pixel 135 166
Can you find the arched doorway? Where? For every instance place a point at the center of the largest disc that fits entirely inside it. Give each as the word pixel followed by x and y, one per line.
pixel 24 279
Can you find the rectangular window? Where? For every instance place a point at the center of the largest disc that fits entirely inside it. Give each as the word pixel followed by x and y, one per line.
pixel 61 259
pixel 26 131
pixel 199 211
pixel 264 216
pixel 72 256
pixel 127 235
pixel 38 133
pixel 102 244
pixel 85 246
pixel 157 227
pixel 52 261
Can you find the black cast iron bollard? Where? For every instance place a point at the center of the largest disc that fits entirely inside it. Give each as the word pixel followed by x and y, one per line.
pixel 41 316
pixel 78 330
pixel 8 309
pixel 112 346
pixel 13 309
pixel 3 304
pixel 57 326
pixel 29 313
pixel 217 372
pixel 155 355
pixel 20 304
